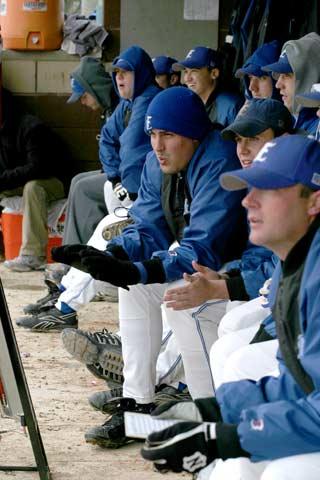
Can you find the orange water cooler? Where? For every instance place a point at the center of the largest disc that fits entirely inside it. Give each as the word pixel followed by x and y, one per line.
pixel 31 24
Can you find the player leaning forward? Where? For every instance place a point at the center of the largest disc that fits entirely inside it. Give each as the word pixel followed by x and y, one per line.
pixel 180 200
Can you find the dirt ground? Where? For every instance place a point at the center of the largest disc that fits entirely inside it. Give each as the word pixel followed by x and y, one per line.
pixel 59 389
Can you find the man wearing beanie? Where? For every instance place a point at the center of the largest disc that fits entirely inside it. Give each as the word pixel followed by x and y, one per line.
pixel 201 72
pixel 259 121
pixel 179 201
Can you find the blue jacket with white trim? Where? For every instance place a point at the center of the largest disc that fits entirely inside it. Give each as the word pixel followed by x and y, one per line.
pixel 123 149
pixel 217 219
pixel 275 417
pixel 224 108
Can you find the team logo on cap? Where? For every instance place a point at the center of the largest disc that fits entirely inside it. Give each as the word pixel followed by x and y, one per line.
pixel 148 126
pixel 262 155
pixel 190 54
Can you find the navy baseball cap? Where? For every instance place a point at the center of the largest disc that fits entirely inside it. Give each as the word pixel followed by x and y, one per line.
pixel 256 116
pixel 163 64
pixel 311 99
pixel 178 110
pixel 198 57
pixel 250 69
pixel 281 66
pixel 119 62
pixel 264 55
pixel 281 163
pixel 77 91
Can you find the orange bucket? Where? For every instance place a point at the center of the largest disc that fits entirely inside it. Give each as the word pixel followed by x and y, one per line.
pixel 12 235
pixel 31 24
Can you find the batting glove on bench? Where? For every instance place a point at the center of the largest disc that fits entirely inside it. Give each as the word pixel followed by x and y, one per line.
pixel 199 410
pixel 188 446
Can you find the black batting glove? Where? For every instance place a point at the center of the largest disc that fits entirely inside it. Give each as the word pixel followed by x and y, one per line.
pixel 199 410
pixel 105 267
pixel 175 409
pixel 188 446
pixel 68 254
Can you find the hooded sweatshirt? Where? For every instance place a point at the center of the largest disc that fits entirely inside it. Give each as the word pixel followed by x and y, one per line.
pixel 124 143
pixel 264 55
pixel 304 57
pixel 95 80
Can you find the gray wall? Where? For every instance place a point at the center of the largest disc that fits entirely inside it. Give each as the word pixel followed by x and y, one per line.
pixel 161 30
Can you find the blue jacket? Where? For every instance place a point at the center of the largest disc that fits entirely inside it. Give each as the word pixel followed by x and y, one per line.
pixel 216 216
pixel 224 108
pixel 123 149
pixel 308 121
pixel 275 417
pixel 255 266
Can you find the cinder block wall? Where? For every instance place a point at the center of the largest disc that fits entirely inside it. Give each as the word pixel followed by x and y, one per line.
pixel 40 83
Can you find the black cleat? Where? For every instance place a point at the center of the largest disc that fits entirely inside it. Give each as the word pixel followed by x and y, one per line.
pixel 44 303
pixel 49 320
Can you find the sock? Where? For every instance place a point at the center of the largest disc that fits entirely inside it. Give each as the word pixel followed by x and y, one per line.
pixel 65 308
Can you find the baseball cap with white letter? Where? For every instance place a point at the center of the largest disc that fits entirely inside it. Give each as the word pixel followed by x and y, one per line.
pixel 281 163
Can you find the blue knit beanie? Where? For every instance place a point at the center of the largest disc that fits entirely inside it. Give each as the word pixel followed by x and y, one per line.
pixel 178 110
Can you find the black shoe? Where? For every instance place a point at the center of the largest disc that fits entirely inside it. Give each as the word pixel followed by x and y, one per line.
pixel 103 400
pixel 112 433
pixel 109 435
pixel 108 400
pixel 102 348
pixel 49 320
pixel 167 393
pixel 44 303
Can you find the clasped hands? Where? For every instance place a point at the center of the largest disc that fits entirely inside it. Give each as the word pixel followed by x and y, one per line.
pixel 203 285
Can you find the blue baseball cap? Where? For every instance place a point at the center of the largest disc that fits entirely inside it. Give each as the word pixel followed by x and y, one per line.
pixel 311 99
pixel 178 110
pixel 250 69
pixel 163 64
pixel 198 57
pixel 264 55
pixel 77 91
pixel 281 66
pixel 119 62
pixel 281 163
pixel 256 116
